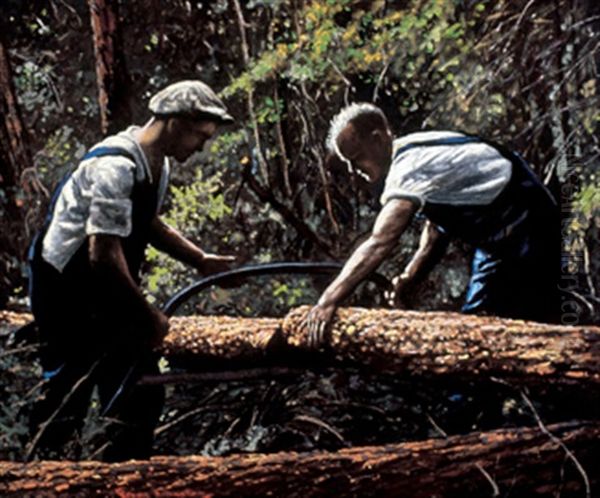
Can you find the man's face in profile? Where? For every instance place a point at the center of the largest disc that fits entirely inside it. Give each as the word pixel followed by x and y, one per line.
pixel 368 155
pixel 189 136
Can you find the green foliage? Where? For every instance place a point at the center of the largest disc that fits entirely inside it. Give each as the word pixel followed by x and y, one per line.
pixel 226 149
pixel 36 89
pixel 196 210
pixel 372 40
pixel 61 153
pixel 483 67
pixel 194 204
pixel 269 112
pixel 587 201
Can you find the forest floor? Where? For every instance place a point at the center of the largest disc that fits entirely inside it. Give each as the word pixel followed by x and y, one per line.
pixel 315 408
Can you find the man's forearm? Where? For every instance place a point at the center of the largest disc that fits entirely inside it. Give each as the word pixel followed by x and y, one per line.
pixel 431 247
pixel 367 257
pixel 169 240
pixel 389 226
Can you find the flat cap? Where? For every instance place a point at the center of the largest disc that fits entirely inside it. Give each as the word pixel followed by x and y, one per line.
pixel 191 98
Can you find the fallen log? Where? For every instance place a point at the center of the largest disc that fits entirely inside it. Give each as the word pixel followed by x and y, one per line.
pixel 519 462
pixel 221 337
pixel 389 341
pixel 420 343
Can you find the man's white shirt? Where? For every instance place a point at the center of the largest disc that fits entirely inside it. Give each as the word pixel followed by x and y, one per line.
pixel 465 174
pixel 96 199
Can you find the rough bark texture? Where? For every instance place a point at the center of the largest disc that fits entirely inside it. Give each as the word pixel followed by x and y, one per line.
pixel 15 157
pixel 13 138
pixel 441 342
pixel 420 343
pixel 113 81
pixel 220 337
pixel 519 462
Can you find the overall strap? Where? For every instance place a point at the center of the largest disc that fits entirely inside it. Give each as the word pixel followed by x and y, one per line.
pixel 102 151
pixel 96 152
pixel 439 141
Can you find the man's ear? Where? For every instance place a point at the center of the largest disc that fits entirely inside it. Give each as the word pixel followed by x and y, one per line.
pixel 174 126
pixel 169 126
pixel 378 134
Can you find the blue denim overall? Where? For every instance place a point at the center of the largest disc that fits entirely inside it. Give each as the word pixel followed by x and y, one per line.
pixel 515 268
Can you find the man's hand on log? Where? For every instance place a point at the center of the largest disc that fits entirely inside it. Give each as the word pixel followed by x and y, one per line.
pixel 316 324
pixel 159 327
pixel 396 298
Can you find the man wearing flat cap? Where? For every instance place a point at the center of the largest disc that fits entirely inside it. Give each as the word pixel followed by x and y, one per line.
pixel 95 325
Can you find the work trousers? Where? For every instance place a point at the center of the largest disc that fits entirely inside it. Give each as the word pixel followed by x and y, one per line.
pixel 518 277
pixel 83 346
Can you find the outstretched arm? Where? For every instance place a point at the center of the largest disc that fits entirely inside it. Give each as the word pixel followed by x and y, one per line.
pixel 389 226
pixel 169 240
pixel 432 246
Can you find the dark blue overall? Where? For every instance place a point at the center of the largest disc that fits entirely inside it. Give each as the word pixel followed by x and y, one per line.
pixel 88 334
pixel 515 269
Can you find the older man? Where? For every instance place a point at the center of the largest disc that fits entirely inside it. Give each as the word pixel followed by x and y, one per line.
pixel 466 188
pixel 96 327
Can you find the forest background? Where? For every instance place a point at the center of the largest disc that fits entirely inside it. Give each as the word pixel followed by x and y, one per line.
pixel 522 73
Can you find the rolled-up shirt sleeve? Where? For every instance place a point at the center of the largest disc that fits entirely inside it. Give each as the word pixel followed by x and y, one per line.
pixel 111 182
pixel 472 174
pixel 412 179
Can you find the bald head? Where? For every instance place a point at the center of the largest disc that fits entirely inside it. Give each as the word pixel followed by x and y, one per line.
pixel 354 123
pixel 359 135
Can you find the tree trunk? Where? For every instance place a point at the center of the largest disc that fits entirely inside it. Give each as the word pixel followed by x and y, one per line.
pixel 14 159
pixel 113 80
pixel 420 343
pixel 515 462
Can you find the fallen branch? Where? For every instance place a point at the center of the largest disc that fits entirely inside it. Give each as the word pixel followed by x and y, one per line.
pixel 236 375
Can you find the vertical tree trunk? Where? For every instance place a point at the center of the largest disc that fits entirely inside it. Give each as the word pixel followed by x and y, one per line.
pixel 113 79
pixel 14 159
pixel 15 151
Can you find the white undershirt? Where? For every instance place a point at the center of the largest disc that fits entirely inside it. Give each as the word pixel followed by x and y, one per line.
pixel 97 198
pixel 465 174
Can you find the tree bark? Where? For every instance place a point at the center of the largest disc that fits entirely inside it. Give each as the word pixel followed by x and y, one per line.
pixel 515 462
pixel 13 136
pixel 15 157
pixel 390 341
pixel 111 72
pixel 420 343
